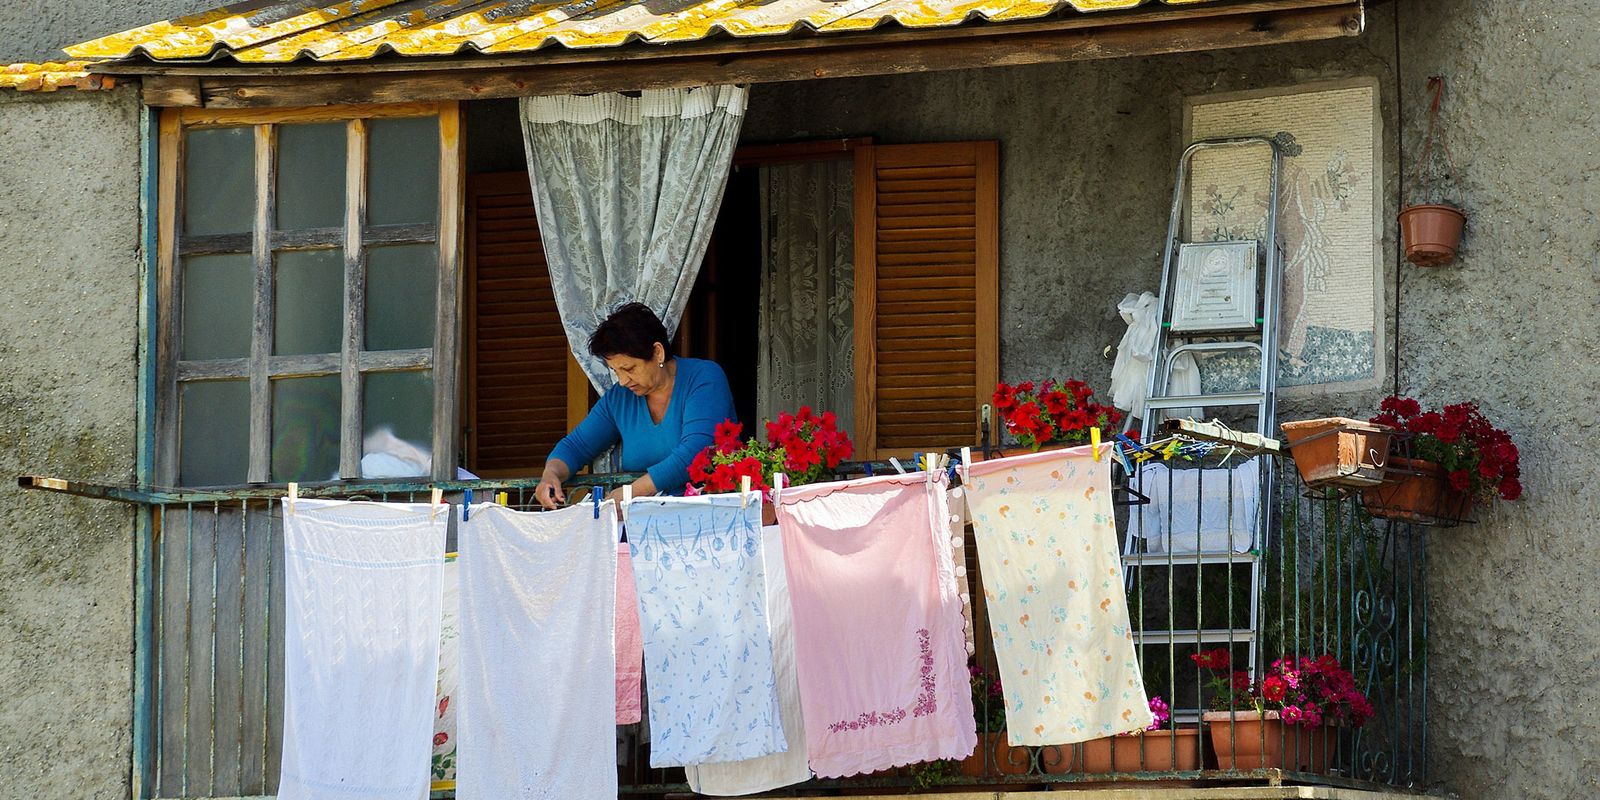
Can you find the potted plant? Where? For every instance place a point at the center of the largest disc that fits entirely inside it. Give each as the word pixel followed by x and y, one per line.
pixel 1431 223
pixel 1284 720
pixel 994 755
pixel 1449 460
pixel 805 446
pixel 1053 413
pixel 1335 451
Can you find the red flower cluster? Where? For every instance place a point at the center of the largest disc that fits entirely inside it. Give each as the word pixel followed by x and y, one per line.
pixel 1307 692
pixel 1056 412
pixel 806 447
pixel 1481 459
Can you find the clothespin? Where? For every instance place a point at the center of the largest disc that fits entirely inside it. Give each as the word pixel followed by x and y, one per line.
pixel 503 498
pixel 966 465
pixel 1094 442
pixel 627 497
pixel 867 466
pixel 777 486
pixel 466 505
pixel 435 499
pixel 594 494
pixel 1120 457
pixel 1168 451
pixel 294 494
pixel 895 462
pixel 744 491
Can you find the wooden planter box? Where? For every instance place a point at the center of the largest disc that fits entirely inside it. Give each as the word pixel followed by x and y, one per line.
pixel 1337 451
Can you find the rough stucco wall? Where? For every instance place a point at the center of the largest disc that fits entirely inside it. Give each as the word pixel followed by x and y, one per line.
pixel 1087 151
pixel 36 30
pixel 68 330
pixel 1515 623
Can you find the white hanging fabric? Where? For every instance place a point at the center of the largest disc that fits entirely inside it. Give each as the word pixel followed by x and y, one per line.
pixel 538 672
pixel 627 190
pixel 1130 373
pixel 363 585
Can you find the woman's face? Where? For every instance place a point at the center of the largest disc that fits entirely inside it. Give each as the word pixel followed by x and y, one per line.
pixel 638 375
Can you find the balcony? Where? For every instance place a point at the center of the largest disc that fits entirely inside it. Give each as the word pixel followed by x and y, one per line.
pixel 1211 565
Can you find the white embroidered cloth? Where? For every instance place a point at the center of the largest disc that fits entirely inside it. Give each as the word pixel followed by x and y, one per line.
pixel 1052 577
pixel 362 588
pixel 779 769
pixel 538 674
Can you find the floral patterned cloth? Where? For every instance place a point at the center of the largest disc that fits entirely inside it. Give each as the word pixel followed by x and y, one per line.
pixel 444 704
pixel 697 566
pixel 877 623
pixel 1052 577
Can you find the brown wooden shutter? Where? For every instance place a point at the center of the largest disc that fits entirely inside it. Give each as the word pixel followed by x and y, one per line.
pixel 518 365
pixel 926 294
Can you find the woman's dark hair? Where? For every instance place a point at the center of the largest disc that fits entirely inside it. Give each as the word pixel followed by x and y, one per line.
pixel 632 330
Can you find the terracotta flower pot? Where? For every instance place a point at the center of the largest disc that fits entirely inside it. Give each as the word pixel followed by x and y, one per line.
pixel 1257 741
pixel 769 514
pixel 1338 451
pixel 1153 751
pixel 1431 234
pixel 1059 759
pixel 995 756
pixel 1416 491
pixel 1097 755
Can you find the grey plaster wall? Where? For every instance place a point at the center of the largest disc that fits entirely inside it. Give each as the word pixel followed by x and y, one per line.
pixel 36 30
pixel 68 328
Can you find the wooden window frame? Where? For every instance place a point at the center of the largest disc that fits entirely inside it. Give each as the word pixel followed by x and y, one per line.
pixel 354 237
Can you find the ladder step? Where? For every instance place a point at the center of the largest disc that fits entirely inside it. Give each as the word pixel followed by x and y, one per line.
pixel 1206 400
pixel 1206 636
pixel 1186 559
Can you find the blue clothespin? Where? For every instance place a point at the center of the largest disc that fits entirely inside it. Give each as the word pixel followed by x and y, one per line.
pixel 594 494
pixel 867 465
pixel 466 505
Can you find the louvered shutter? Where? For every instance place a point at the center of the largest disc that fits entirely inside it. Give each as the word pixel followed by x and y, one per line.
pixel 926 294
pixel 517 357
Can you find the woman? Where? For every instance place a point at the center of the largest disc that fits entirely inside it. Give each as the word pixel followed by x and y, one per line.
pixel 668 414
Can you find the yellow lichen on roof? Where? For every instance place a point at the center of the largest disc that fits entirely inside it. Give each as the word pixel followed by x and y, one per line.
pixel 260 32
pixel 52 75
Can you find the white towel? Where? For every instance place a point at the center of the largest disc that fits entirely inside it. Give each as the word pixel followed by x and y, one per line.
pixel 361 648
pixel 538 671
pixel 779 769
pixel 1225 502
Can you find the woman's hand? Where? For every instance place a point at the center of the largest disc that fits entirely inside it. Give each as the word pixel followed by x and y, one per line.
pixel 549 491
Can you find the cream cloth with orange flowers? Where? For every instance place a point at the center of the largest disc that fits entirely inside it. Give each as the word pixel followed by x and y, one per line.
pixel 1052 576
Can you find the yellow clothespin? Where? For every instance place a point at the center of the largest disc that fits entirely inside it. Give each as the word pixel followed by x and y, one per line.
pixel 744 491
pixel 1094 442
pixel 1170 450
pixel 503 498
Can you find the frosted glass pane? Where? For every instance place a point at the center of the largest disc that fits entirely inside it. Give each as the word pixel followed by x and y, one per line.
pixel 309 303
pixel 214 433
pixel 403 170
pixel 397 418
pixel 219 181
pixel 402 282
pixel 311 176
pixel 218 304
pixel 305 429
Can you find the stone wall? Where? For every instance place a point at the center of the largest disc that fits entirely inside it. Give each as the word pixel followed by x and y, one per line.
pixel 69 239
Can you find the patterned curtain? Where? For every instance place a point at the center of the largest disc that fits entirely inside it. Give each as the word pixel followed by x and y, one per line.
pixel 807 305
pixel 626 190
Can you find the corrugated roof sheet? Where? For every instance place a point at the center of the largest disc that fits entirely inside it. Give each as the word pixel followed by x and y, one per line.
pixel 262 31
pixel 52 75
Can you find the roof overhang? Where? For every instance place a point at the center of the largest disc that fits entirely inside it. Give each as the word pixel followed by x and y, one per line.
pixel 387 78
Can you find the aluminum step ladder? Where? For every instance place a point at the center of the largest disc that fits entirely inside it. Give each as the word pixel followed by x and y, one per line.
pixel 1217 298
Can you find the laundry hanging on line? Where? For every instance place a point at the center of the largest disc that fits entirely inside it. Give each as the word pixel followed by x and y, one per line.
pixel 1052 579
pixel 363 585
pixel 698 569
pixel 538 672
pixel 877 623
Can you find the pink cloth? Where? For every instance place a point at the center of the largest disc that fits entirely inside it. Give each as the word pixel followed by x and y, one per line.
pixel 630 645
pixel 877 624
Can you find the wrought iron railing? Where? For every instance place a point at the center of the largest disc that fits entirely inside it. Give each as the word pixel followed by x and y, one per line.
pixel 1313 575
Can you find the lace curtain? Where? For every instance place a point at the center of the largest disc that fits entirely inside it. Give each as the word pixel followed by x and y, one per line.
pixel 626 190
pixel 807 308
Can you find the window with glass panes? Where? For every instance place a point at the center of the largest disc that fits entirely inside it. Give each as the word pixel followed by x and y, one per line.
pixel 309 264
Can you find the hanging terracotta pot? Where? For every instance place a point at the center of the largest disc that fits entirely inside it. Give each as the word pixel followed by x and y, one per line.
pixel 1416 491
pixel 1338 451
pixel 1251 740
pixel 1431 233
